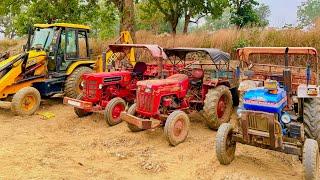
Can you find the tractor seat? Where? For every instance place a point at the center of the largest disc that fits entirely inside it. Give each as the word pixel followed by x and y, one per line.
pixel 180 80
pixel 196 77
pixel 139 69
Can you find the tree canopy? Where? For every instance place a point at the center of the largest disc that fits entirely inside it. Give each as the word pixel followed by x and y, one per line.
pixel 308 12
pixel 107 17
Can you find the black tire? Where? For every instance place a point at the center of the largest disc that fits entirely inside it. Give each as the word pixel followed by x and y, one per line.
pixel 210 108
pixel 311 120
pixel 310 159
pixel 81 112
pixel 72 87
pixel 132 111
pixel 235 96
pixel 114 119
pixel 225 148
pixel 26 101
pixel 175 134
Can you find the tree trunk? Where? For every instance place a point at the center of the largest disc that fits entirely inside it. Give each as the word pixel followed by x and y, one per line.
pixel 174 24
pixel 127 18
pixel 187 18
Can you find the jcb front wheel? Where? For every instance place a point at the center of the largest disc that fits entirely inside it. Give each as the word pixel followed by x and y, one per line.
pixel 26 101
pixel 176 128
pixel 113 110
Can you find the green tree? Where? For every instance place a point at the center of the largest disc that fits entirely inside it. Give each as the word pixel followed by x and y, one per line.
pixel 9 10
pixel 99 14
pixel 126 10
pixel 222 22
pixel 308 12
pixel 263 12
pixel 197 9
pixel 149 18
pixel 243 12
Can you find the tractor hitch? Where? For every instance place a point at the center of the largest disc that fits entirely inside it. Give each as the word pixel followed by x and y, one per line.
pixel 139 122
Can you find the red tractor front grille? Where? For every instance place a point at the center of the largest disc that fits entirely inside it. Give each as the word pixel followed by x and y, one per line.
pixel 90 88
pixel 145 102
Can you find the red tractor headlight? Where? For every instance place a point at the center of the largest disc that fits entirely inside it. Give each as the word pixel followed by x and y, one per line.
pixel 166 102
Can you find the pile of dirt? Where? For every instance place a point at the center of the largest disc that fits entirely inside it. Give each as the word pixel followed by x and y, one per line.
pixel 66 147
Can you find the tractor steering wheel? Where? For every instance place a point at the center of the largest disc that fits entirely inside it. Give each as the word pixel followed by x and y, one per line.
pixel 186 72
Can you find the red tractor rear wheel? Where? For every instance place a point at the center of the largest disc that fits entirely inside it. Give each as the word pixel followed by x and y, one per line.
pixel 113 110
pixel 176 128
pixel 217 106
pixel 81 112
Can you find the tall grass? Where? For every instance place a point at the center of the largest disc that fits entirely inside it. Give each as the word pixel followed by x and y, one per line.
pixel 227 39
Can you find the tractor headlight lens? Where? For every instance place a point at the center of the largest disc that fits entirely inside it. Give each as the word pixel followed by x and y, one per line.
pixel 285 118
pixel 82 83
pixel 100 86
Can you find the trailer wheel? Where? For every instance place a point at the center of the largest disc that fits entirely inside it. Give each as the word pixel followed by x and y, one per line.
pixel 81 112
pixel 26 101
pixel 73 83
pixel 310 159
pixel 311 120
pixel 217 106
pixel 225 147
pixel 176 128
pixel 132 111
pixel 113 109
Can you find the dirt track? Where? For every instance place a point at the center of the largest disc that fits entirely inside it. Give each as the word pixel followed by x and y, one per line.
pixel 65 147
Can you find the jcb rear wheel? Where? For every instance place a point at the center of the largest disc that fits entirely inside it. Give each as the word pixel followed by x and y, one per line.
pixel 310 159
pixel 81 112
pixel 73 84
pixel 113 110
pixel 176 128
pixel 311 120
pixel 225 147
pixel 217 106
pixel 132 111
pixel 26 101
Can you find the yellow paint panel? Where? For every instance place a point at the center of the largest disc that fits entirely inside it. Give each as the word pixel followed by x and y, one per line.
pixel 67 25
pixel 77 64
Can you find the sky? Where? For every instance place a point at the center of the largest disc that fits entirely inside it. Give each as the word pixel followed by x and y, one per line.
pixel 283 11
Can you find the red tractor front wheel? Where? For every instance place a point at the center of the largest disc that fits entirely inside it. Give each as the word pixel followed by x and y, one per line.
pixel 113 110
pixel 176 128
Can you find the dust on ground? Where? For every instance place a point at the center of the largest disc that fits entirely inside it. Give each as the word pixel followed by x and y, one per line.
pixel 66 147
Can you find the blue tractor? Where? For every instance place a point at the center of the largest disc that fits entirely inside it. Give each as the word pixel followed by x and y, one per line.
pixel 272 118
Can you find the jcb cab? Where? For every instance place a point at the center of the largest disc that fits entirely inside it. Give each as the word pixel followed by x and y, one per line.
pixel 55 58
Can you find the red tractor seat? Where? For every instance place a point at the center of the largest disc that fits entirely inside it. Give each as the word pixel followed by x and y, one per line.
pixel 196 77
pixel 139 68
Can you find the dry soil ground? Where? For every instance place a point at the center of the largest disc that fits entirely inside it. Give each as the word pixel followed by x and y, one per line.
pixel 65 147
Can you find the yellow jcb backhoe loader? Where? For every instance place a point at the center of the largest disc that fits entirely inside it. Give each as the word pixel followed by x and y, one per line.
pixel 55 58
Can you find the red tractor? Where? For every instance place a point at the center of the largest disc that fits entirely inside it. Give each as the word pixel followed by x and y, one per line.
pixel 207 84
pixel 109 92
